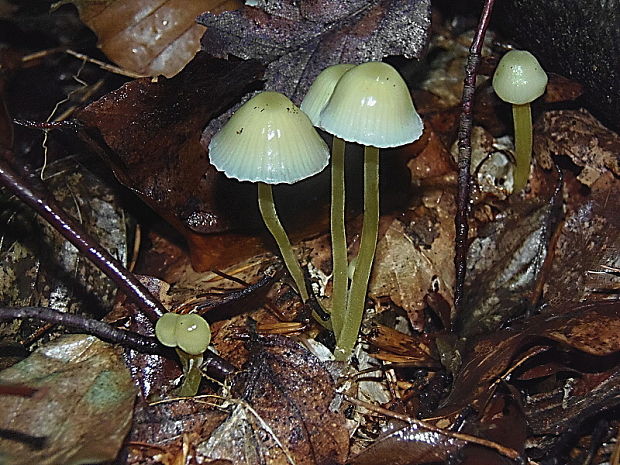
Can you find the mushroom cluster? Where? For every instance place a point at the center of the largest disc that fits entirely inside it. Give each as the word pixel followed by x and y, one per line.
pixel 270 141
pixel 368 104
pixel 190 336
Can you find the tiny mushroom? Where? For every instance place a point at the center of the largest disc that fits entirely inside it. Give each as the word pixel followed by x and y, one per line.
pixel 370 105
pixel 190 335
pixel 519 79
pixel 315 100
pixel 270 141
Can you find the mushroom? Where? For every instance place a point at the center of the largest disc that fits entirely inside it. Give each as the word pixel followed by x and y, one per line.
pixel 372 106
pixel 315 100
pixel 190 335
pixel 519 79
pixel 270 141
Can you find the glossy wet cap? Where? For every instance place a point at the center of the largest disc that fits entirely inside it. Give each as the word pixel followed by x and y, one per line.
pixel 371 105
pixel 321 90
pixel 519 78
pixel 269 140
pixel 191 333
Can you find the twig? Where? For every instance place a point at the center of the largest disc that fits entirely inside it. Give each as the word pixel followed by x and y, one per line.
pixel 97 328
pixel 464 160
pixel 505 451
pixel 46 206
pixel 213 365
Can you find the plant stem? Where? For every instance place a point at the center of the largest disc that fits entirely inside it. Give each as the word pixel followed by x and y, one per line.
pixel 267 209
pixel 339 237
pixel 368 243
pixel 522 119
pixel 463 195
pixel 191 374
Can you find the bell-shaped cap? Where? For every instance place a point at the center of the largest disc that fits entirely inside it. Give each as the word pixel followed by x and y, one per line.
pixel 193 334
pixel 321 90
pixel 371 105
pixel 165 329
pixel 519 78
pixel 269 140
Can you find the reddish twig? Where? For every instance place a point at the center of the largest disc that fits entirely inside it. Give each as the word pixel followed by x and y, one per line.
pixel 214 365
pixel 464 160
pixel 46 206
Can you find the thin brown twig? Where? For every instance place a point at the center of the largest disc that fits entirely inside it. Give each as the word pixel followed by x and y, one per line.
pixel 464 159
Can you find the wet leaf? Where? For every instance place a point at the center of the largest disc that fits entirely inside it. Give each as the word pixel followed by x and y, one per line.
pixel 299 39
pixel 150 134
pixel 284 414
pixel 148 37
pixel 408 446
pixel 591 328
pixel 569 405
pixel 84 411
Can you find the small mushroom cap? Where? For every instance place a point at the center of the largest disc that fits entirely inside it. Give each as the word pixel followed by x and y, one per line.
pixel 321 90
pixel 193 334
pixel 269 140
pixel 371 105
pixel 519 78
pixel 165 329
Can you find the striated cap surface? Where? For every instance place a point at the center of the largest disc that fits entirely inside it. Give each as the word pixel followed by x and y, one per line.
pixel 371 105
pixel 321 90
pixel 519 78
pixel 269 140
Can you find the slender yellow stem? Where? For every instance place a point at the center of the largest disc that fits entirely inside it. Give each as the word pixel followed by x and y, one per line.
pixel 522 118
pixel 267 209
pixel 191 374
pixel 368 243
pixel 339 237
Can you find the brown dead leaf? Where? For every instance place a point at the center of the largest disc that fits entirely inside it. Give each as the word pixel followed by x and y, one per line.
pixel 150 134
pixel 299 39
pixel 415 256
pixel 85 412
pixel 148 37
pixel 283 413
pixel 406 446
pixel 484 360
pixel 581 137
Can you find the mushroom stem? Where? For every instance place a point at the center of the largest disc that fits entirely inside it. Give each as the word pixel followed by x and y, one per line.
pixel 267 209
pixel 522 118
pixel 359 284
pixel 191 374
pixel 339 237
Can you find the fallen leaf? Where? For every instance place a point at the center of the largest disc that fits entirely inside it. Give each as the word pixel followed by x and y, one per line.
pixel 407 446
pixel 150 135
pixel 415 256
pixel 86 411
pixel 581 137
pixel 148 37
pixel 283 413
pixel 297 40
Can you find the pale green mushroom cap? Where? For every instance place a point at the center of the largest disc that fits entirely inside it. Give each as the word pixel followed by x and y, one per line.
pixel 165 329
pixel 371 105
pixel 269 140
pixel 191 333
pixel 321 90
pixel 519 78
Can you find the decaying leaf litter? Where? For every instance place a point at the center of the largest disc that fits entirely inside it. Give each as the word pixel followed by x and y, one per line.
pixel 549 254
